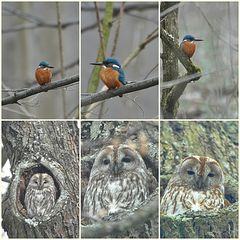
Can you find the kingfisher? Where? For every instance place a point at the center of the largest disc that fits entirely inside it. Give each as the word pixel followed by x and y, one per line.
pixel 188 45
pixel 43 73
pixel 111 73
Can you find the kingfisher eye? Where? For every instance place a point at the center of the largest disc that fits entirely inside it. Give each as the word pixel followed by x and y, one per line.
pixel 211 174
pixel 190 172
pixel 106 161
pixel 126 159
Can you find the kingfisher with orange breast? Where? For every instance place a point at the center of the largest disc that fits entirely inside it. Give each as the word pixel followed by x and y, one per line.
pixel 43 73
pixel 188 45
pixel 111 73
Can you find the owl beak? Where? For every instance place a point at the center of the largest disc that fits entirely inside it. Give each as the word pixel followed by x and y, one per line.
pixel 115 169
pixel 200 182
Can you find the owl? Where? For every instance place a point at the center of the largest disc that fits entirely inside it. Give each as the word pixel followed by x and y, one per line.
pixel 119 181
pixel 196 185
pixel 40 195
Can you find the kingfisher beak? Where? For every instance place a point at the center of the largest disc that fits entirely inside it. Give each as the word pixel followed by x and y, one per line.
pixel 49 66
pixel 97 63
pixel 197 39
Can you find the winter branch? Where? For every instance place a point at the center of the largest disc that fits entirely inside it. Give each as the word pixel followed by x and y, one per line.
pixel 38 89
pixel 140 216
pixel 131 87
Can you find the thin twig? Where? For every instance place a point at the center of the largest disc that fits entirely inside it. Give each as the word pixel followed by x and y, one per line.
pixel 38 25
pixel 151 71
pixel 100 29
pixel 22 15
pixel 118 29
pixel 59 22
pixel 128 8
pixel 140 47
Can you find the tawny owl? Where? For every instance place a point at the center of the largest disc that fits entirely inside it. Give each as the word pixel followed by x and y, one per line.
pixel 119 181
pixel 40 195
pixel 196 185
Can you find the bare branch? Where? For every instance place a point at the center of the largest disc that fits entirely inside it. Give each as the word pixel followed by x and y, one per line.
pixel 59 22
pixel 174 6
pixel 141 46
pixel 116 92
pixel 38 25
pixel 118 29
pixel 100 30
pixel 67 66
pixel 128 8
pixel 106 228
pixel 38 89
pixel 187 78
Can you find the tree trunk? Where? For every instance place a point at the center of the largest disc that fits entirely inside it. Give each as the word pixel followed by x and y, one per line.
pixel 38 147
pixel 169 60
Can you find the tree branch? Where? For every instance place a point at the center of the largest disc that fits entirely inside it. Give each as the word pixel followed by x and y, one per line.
pixel 116 92
pixel 38 25
pixel 140 47
pixel 38 89
pixel 140 216
pixel 36 21
pixel 128 8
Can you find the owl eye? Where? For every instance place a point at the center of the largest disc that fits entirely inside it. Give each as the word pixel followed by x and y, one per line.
pixel 126 159
pixel 211 174
pixel 106 161
pixel 190 172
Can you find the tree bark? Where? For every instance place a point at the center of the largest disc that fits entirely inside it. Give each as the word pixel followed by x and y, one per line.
pixel 218 140
pixel 37 147
pixel 221 224
pixel 169 60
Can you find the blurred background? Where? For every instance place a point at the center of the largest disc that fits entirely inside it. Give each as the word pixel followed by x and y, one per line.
pixel 138 21
pixel 215 95
pixel 29 35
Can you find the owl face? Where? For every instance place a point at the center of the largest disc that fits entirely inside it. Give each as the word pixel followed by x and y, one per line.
pixel 114 160
pixel 119 181
pixel 196 185
pixel 200 173
pixel 40 181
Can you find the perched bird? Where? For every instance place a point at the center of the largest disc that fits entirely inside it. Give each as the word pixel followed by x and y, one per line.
pixel 197 184
pixel 43 74
pixel 40 195
pixel 188 45
pixel 119 181
pixel 111 73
